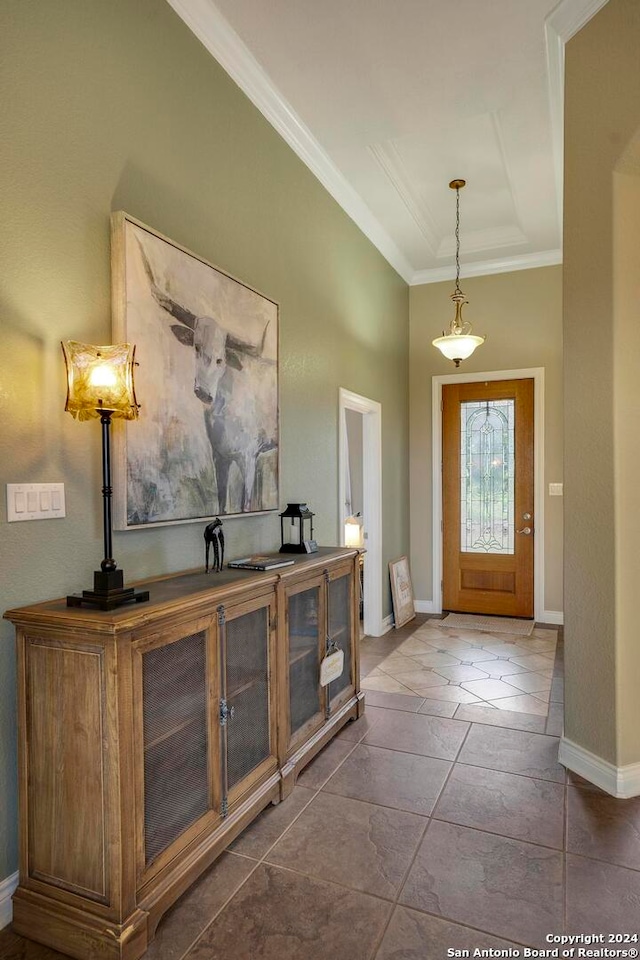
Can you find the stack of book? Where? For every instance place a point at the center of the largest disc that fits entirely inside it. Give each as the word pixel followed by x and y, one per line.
pixel 260 563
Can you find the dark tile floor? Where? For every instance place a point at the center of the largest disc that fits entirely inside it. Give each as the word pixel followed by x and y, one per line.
pixel 424 826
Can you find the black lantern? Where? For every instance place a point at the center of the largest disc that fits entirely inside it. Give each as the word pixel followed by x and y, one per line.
pixel 294 536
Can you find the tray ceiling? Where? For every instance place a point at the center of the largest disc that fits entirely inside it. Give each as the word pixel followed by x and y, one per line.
pixel 388 102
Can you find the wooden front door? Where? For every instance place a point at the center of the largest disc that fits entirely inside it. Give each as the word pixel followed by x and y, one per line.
pixel 487 482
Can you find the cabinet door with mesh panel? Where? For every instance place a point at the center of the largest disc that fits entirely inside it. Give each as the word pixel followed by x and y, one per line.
pixel 247 714
pixel 340 616
pixel 306 640
pixel 176 783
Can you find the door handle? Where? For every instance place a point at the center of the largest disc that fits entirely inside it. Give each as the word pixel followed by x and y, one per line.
pixel 527 531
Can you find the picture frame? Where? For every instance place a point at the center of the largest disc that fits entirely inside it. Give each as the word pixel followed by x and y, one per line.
pixel 206 443
pixel 401 591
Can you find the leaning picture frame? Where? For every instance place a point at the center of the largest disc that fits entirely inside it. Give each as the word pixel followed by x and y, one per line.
pixel 401 591
pixel 207 440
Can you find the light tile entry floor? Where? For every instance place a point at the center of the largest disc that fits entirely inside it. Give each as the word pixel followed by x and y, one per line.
pixel 455 665
pixel 427 825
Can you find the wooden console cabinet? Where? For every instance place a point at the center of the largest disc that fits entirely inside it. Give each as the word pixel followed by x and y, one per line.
pixel 151 735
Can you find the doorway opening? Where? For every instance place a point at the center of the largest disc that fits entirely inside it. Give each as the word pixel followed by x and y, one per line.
pixel 482 562
pixel 360 492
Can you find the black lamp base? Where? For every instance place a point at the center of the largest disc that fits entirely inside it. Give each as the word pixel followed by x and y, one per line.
pixel 108 592
pixel 307 546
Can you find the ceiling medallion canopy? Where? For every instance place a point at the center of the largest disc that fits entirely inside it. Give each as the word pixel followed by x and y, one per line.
pixel 459 343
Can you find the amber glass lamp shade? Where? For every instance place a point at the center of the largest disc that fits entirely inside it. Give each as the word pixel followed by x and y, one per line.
pixel 100 379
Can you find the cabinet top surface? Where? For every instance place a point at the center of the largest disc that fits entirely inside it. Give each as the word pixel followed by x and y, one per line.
pixel 173 590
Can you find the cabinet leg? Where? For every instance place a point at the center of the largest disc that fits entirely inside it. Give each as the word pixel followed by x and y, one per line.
pixel 79 935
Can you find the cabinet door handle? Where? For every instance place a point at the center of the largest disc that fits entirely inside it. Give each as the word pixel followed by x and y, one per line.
pixel 226 713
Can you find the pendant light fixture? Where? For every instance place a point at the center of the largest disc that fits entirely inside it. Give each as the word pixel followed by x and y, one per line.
pixel 459 343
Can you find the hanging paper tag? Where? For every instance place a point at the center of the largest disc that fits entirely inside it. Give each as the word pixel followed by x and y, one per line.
pixel 331 667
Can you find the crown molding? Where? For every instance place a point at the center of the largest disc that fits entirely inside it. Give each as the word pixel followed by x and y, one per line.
pixel 483 268
pixel 570 16
pixel 560 26
pixel 496 121
pixel 390 162
pixel 215 33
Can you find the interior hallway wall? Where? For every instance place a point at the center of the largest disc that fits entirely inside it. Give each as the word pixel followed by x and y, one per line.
pixel 602 389
pixel 117 105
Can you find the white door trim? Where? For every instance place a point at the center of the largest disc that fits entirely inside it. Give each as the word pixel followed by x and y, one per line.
pixel 371 497
pixel 537 375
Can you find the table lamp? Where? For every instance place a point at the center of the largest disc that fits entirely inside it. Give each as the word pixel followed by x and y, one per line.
pixel 100 386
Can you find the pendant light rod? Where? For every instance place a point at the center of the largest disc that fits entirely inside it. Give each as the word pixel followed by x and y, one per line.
pixel 457 185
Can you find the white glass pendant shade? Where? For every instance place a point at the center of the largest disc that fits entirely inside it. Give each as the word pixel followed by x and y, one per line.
pixel 457 346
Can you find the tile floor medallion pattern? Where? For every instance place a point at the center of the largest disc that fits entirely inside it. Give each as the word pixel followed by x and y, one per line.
pixel 463 666
pixel 452 825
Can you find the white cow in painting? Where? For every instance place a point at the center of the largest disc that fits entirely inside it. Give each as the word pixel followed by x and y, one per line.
pixel 237 386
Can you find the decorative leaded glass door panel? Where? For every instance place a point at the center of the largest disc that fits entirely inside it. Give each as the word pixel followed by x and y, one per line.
pixel 487 465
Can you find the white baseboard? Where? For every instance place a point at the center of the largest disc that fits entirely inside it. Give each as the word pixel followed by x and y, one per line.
pixel 425 606
pixel 621 782
pixel 7 888
pixel 555 617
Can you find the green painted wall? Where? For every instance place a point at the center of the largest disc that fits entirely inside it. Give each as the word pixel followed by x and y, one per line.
pixel 116 105
pixel 602 449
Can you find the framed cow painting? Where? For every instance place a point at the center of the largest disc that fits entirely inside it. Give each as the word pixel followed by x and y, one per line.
pixel 206 442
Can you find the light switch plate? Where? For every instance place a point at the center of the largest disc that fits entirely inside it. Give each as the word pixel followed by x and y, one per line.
pixel 555 489
pixel 35 501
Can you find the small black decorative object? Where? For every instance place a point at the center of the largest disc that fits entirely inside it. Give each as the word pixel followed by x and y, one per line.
pixel 293 535
pixel 213 535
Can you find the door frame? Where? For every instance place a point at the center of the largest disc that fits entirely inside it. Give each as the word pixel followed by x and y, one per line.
pixel 371 411
pixel 537 375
